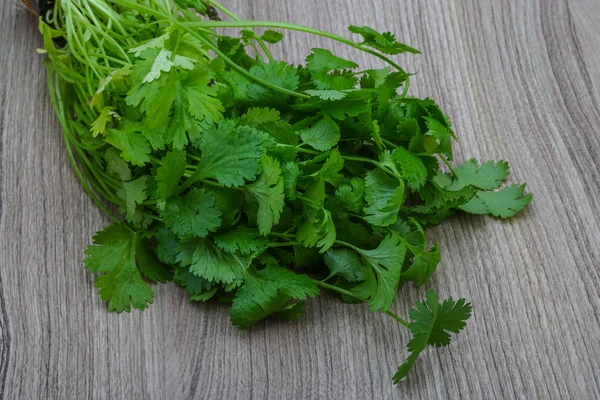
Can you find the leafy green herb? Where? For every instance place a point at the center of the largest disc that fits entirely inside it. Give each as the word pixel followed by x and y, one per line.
pixel 250 179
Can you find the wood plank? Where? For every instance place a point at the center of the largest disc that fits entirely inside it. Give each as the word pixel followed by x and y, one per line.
pixel 519 80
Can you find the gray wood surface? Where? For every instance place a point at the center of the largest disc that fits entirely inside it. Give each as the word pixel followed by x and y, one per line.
pixel 520 80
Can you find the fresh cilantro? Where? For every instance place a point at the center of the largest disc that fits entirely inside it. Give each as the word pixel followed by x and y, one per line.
pixel 431 323
pixel 254 181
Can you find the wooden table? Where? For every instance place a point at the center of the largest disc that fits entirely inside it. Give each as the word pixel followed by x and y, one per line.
pixel 520 80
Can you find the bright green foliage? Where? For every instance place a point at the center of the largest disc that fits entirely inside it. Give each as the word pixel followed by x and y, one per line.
pixel 431 323
pixel 503 203
pixel 250 180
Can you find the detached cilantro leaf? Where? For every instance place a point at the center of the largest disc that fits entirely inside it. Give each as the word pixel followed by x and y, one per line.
pixel 134 147
pixel 384 267
pixel 114 255
pixel 503 203
pixel 268 191
pixel 413 169
pixel 321 135
pixel 384 196
pixel 231 154
pixel 204 259
pixel 384 42
pixel 193 214
pixel 170 172
pixel 431 323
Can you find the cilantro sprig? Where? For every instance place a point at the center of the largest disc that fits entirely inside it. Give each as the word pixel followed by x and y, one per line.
pixel 253 181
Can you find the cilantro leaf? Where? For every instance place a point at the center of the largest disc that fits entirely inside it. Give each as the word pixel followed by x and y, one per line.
pixel 113 255
pixel 384 268
pixel 134 147
pixel 268 191
pixel 267 292
pixel 503 203
pixel 133 193
pixel 384 196
pixel 488 176
pixel 276 73
pixel 345 263
pixel 243 240
pixel 205 260
pixel 231 154
pixel 193 214
pixel 322 134
pixel 384 42
pixel 413 169
pixel 431 323
pixel 170 173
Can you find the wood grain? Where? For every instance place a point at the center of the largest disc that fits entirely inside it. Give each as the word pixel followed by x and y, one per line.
pixel 520 80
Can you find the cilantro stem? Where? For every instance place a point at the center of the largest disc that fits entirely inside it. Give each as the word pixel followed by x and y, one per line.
pixel 292 27
pixel 286 244
pixel 448 164
pixel 397 318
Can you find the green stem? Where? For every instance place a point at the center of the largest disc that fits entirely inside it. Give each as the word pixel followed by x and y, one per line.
pixel 448 164
pixel 293 27
pixel 397 318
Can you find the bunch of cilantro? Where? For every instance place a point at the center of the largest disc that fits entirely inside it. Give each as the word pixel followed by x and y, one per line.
pixel 252 181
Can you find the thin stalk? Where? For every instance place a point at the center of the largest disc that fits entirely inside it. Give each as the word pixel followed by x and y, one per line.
pixel 293 27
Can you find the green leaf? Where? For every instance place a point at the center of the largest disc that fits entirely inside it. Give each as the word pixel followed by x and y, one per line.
pixel 133 193
pixel 330 172
pixel 242 240
pixel 267 292
pixel 205 260
pixel 268 191
pixel 276 73
pixel 231 154
pixel 134 147
pixel 271 36
pixel 352 195
pixel 114 255
pixel 384 267
pixel 198 288
pixel 170 173
pixel 322 62
pixel 321 135
pixel 327 94
pixel 488 176
pixel 116 166
pixel 431 322
pixel 384 196
pixel 413 169
pixel 257 116
pixel 384 42
pixel 503 203
pixel 346 263
pixel 193 214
